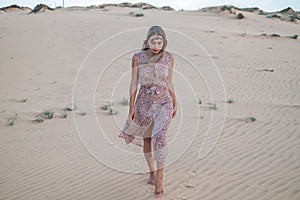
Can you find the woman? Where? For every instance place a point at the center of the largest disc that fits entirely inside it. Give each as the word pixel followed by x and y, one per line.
pixel 151 112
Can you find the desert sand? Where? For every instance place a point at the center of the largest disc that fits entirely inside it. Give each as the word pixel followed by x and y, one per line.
pixel 46 57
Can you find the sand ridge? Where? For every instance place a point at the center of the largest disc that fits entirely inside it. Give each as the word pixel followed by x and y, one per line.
pixel 40 58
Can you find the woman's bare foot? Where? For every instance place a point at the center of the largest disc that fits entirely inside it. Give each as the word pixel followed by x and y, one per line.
pixel 159 190
pixel 159 194
pixel 152 178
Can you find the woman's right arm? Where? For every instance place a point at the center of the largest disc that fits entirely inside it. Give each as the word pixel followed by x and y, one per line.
pixel 133 85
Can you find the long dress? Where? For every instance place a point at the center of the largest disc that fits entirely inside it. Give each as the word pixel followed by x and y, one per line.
pixel 153 104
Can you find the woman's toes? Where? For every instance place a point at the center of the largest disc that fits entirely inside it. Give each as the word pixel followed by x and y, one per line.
pixel 158 194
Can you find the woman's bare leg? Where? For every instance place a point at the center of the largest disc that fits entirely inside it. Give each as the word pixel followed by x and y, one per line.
pixel 159 190
pixel 148 155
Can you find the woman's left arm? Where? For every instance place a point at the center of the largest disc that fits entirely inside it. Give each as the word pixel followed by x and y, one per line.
pixel 170 83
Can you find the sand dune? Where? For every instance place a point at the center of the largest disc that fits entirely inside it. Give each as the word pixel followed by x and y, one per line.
pixel 43 54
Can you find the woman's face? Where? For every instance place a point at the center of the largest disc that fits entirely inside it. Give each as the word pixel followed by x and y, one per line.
pixel 155 43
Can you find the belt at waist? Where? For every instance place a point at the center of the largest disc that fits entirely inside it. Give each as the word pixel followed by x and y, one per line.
pixel 150 88
pixel 154 86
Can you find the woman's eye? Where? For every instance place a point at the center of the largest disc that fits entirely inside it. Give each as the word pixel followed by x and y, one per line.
pixel 159 43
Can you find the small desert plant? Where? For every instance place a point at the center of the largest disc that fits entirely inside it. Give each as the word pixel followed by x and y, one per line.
pixel 273 15
pixel 70 108
pixel 105 107
pixel 125 101
pixel 240 16
pixel 213 106
pixel 64 115
pixel 139 15
pixel 250 119
pixel 275 35
pixel 268 70
pixel 230 101
pixel 294 36
pixel 39 119
pixel 82 113
pixel 294 19
pixel 23 100
pixel 11 121
pixel 48 113
pixel 199 101
pixel 112 111
pixel 136 14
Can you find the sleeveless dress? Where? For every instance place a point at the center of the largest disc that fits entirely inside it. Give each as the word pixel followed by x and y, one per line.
pixel 153 104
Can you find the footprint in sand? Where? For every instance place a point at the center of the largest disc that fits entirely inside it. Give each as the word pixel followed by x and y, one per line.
pixel 187 180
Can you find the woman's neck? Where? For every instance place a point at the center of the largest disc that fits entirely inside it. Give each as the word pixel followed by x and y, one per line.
pixel 150 54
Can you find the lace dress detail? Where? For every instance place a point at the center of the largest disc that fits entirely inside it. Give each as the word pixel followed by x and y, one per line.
pixel 153 104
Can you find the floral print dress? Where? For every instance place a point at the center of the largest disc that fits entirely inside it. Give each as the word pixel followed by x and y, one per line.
pixel 153 104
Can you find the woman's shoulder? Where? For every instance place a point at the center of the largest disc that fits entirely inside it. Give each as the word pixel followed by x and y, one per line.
pixel 137 56
pixel 138 53
pixel 169 54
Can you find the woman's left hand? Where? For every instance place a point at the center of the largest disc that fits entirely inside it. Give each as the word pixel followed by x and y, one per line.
pixel 174 111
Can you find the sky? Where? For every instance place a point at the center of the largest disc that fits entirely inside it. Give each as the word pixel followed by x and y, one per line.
pixel 266 5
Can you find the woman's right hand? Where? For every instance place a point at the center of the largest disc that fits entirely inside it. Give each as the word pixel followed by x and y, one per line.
pixel 131 113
